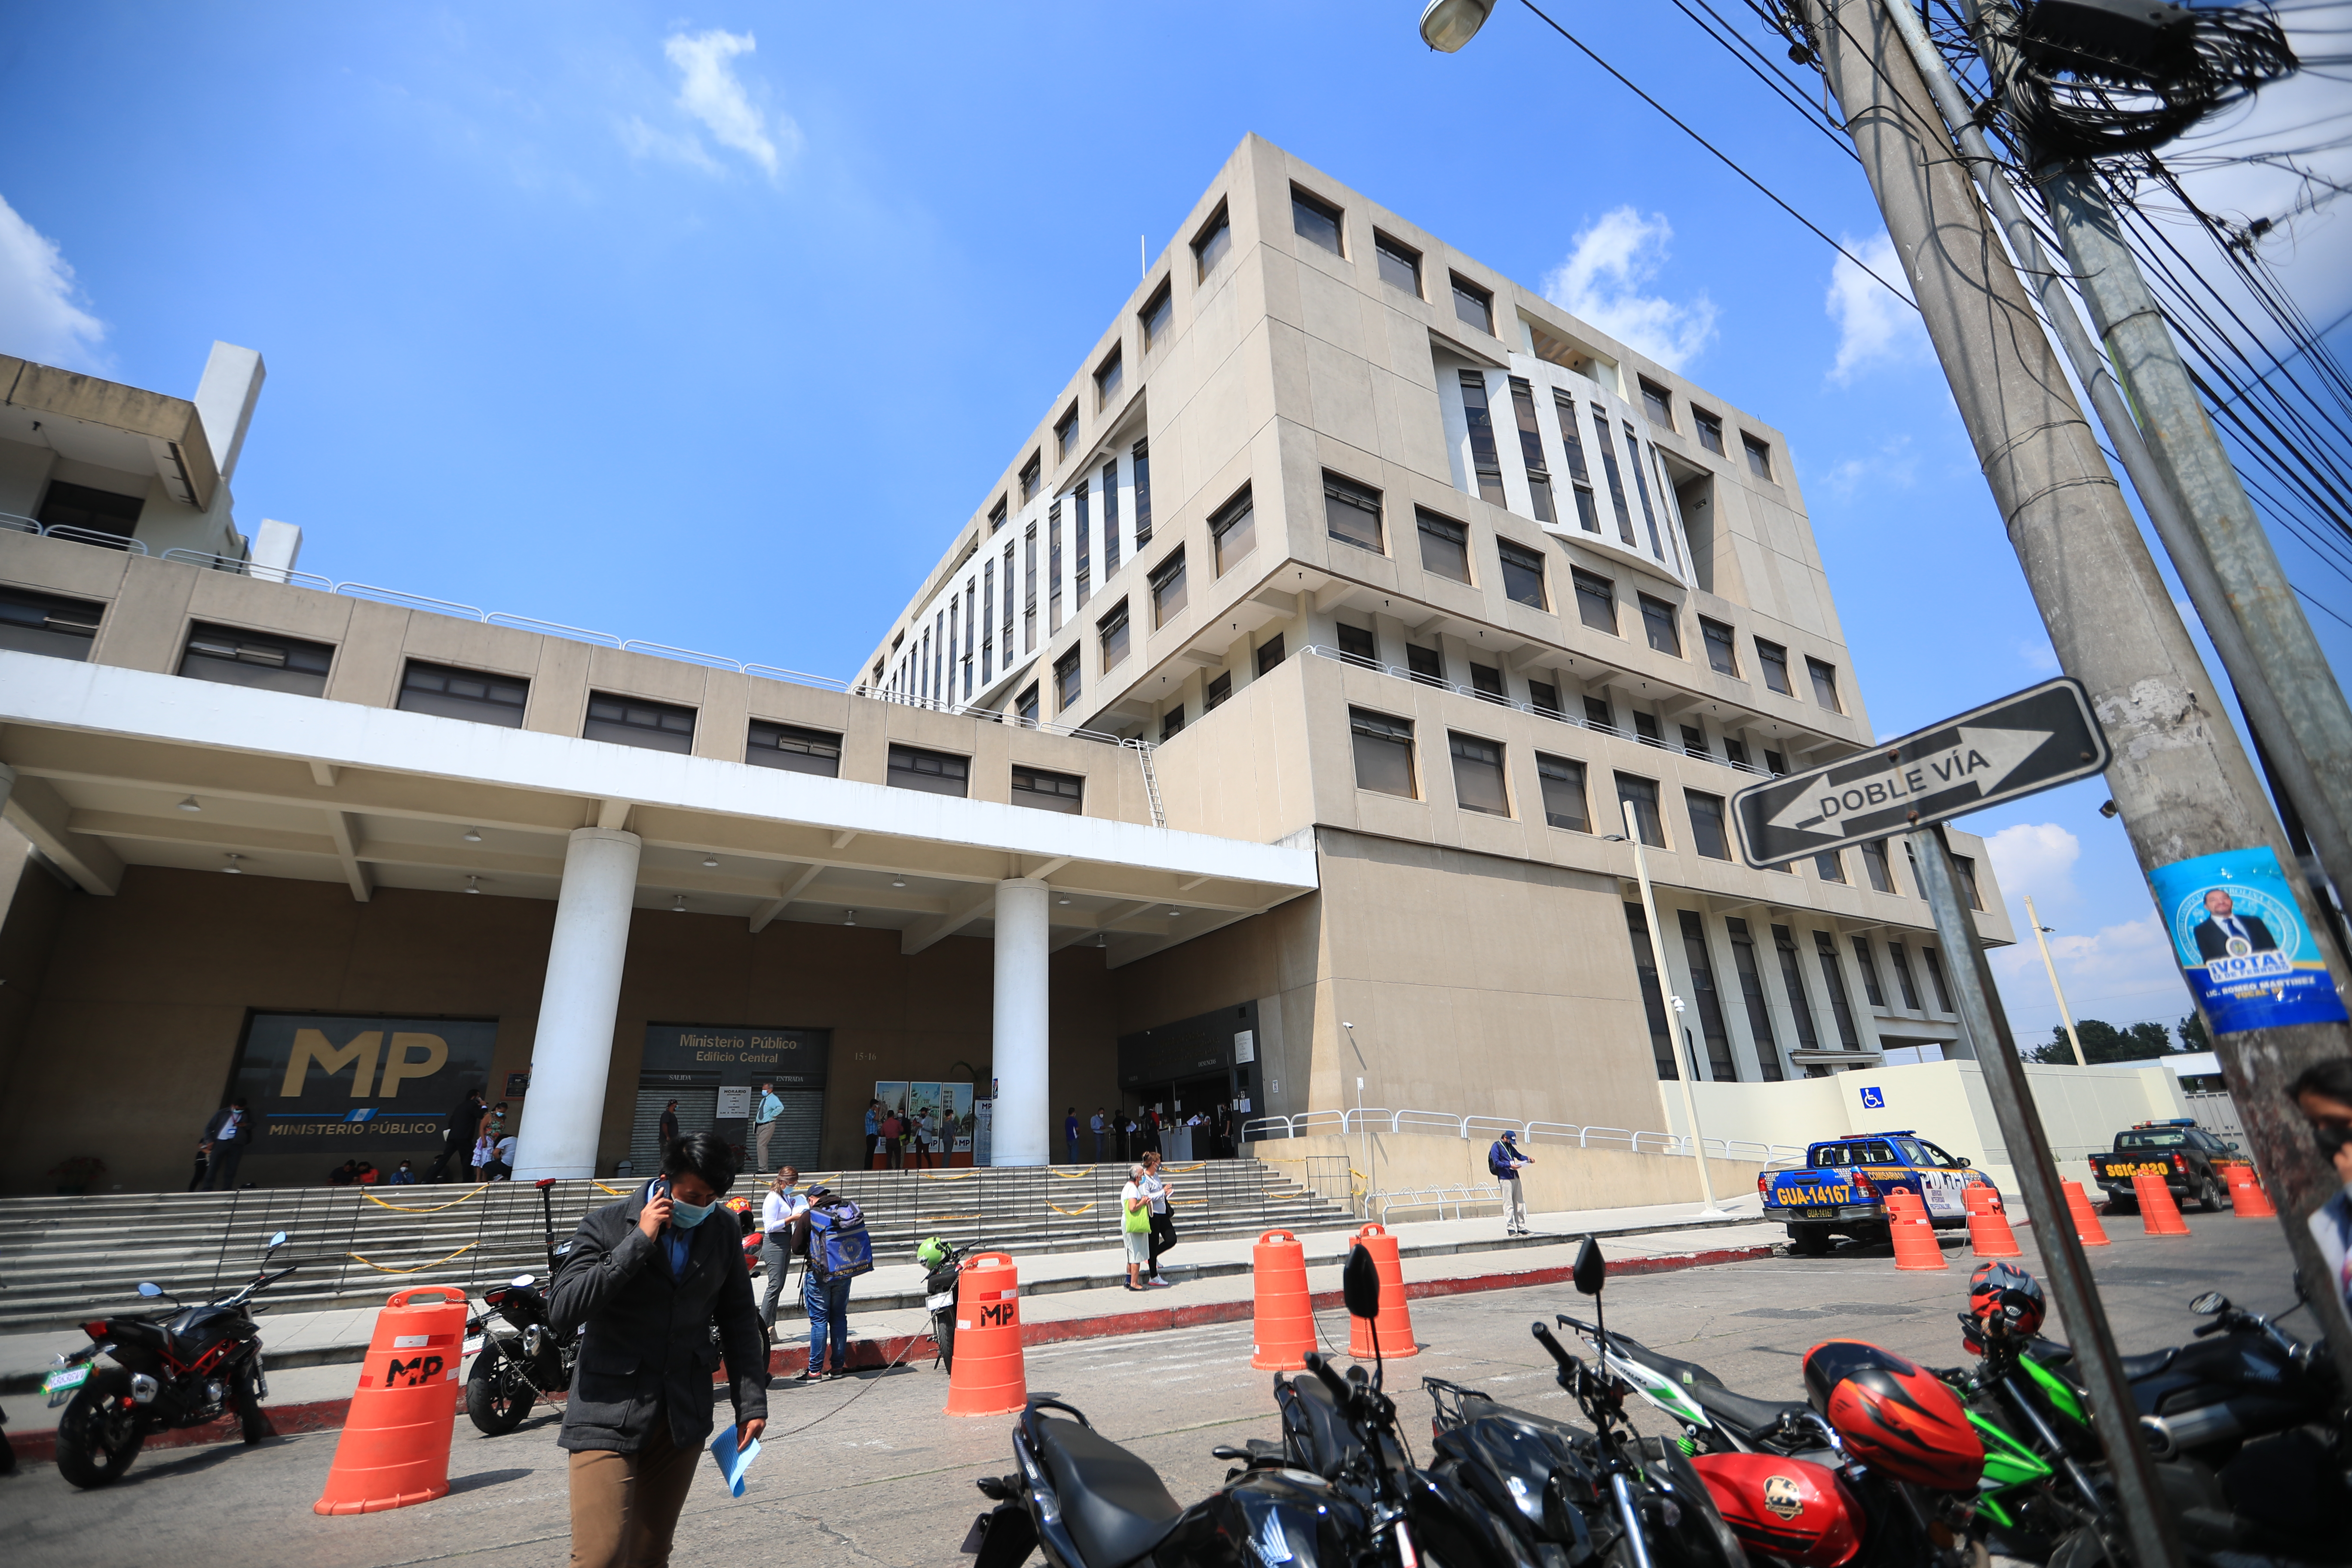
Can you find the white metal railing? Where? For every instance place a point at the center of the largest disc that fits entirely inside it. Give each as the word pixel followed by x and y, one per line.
pixel 1437 1198
pixel 1323 650
pixel 239 566
pixel 1445 1123
pixel 13 523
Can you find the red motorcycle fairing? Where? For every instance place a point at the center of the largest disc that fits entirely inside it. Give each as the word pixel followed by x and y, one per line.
pixel 1793 1510
pixel 1893 1415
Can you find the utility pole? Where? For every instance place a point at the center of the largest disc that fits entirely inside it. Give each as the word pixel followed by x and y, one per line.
pixel 2040 929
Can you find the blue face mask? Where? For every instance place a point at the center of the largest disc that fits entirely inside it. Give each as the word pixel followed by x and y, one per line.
pixel 685 1215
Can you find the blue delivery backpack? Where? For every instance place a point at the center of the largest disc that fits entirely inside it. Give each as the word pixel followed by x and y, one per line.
pixel 838 1246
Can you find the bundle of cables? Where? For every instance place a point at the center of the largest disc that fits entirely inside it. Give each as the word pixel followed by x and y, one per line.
pixel 2097 78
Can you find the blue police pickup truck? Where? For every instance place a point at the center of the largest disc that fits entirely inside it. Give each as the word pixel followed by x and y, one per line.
pixel 1842 1188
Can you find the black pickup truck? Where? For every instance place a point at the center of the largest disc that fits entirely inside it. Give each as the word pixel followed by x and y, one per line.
pixel 2193 1162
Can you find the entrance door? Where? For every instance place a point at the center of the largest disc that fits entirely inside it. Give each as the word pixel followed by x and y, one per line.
pixel 799 1130
pixel 698 1111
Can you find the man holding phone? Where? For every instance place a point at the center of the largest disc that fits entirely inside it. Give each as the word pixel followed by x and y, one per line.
pixel 648 1280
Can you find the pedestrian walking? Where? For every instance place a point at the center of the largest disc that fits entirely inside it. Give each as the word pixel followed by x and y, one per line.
pixel 1504 1162
pixel 771 1108
pixel 894 1132
pixel 784 1203
pixel 229 1133
pixel 457 1139
pixel 922 1134
pixel 1163 1220
pixel 646 1282
pixel 873 1132
pixel 1070 1136
pixel 1097 1125
pixel 1135 1222
pixel 669 1124
pixel 824 1296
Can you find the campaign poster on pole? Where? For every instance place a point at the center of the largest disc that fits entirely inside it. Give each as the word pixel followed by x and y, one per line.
pixel 2242 946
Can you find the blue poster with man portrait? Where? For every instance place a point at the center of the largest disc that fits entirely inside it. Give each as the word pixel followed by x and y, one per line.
pixel 2241 943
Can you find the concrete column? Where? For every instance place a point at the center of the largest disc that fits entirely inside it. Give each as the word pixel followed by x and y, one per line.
pixel 1023 1126
pixel 573 1056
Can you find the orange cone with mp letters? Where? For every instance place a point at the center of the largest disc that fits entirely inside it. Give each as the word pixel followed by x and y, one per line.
pixel 2087 1228
pixel 1394 1323
pixel 1281 1320
pixel 988 1377
pixel 2247 1199
pixel 394 1449
pixel 1988 1232
pixel 1916 1246
pixel 2159 1215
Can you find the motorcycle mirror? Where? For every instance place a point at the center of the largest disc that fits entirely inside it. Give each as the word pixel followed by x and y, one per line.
pixel 1591 1269
pixel 150 1288
pixel 525 1280
pixel 279 1240
pixel 1360 1284
pixel 2210 1303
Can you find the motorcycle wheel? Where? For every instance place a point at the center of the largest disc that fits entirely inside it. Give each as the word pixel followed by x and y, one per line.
pixel 244 1401
pixel 497 1398
pixel 98 1436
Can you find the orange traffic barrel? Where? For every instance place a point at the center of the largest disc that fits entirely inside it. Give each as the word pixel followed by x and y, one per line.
pixel 2159 1215
pixel 1904 1204
pixel 2087 1228
pixel 1394 1323
pixel 1916 1246
pixel 988 1377
pixel 394 1449
pixel 2247 1199
pixel 1282 1320
pixel 1988 1232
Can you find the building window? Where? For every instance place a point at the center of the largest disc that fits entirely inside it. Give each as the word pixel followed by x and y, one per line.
pixel 1597 715
pixel 1865 961
pixel 1646 726
pixel 1588 514
pixel 1759 455
pixel 258 659
pixel 1486 682
pixel 1775 764
pixel 1734 751
pixel 1485 460
pixel 45 623
pixel 1384 753
pixel 1158 314
pixel 1562 779
pixel 1357 645
pixel 932 772
pixel 988 620
pixel 1032 475
pixel 90 511
pixel 1833 978
pixel 1654 999
pixel 1596 600
pixel 1140 460
pixel 1400 263
pixel 972 629
pixel 1523 575
pixel 464 694
pixel 1641 489
pixel 1474 305
pixel 1028 590
pixel 1712 1027
pixel 1054 568
pixel 1751 991
pixel 996 515
pixel 1111 518
pixel 1232 529
pixel 1829 866
pixel 1966 868
pixel 1657 404
pixel 1707 834
pixel 1478 776
pixel 1658 621
pixel 1025 707
pixel 1642 794
pixel 1209 246
pixel 1269 654
pixel 1775 660
pixel 1902 961
pixel 1531 452
pixel 1792 979
pixel 1351 512
pixel 1425 665
pixel 1694 742
pixel 1825 691
pixel 1873 860
pixel 1315 219
pixel 1065 792
pixel 793 749
pixel 1111 633
pixel 1710 429
pixel 1168 588
pixel 1065 682
pixel 1220 686
pixel 1722 654
pixel 634 721
pixel 1544 698
pixel 1107 377
pixel 1172 723
pixel 1616 475
pixel 1082 543
pixel 1444 545
pixel 1066 434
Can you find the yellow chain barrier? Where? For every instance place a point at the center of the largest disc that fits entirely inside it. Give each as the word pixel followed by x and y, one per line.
pixel 936 1218
pixel 945 1176
pixel 1059 1209
pixel 611 1192
pixel 436 1209
pixel 420 1267
pixel 1178 1170
pixel 1070 1173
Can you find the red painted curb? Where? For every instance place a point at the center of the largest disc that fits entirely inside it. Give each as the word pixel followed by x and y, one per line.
pixel 328 1414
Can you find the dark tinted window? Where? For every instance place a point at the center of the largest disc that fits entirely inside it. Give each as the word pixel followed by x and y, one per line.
pixel 1543 697
pixel 1315 219
pixel 464 694
pixel 1563 792
pixel 90 511
pixel 634 721
pixel 1233 528
pixel 1066 681
pixel 1487 681
pixel 1167 588
pixel 1523 575
pixel 1658 405
pixel 1759 457
pixel 1269 653
pixel 1596 601
pixel 1158 314
pixel 1775 660
pixel 1215 238
pixel 933 773
pixel 1444 545
pixel 1710 431
pixel 1473 304
pixel 1825 691
pixel 1066 434
pixel 1400 263
pixel 1425 664
pixel 1722 653
pixel 1051 791
pixel 1220 686
pixel 792 749
pixel 1357 643
pixel 1707 836
pixel 1351 512
pixel 236 658
pixel 1658 622
pixel 43 623
pixel 1478 776
pixel 1109 377
pixel 1642 794
pixel 1486 458
pixel 1384 753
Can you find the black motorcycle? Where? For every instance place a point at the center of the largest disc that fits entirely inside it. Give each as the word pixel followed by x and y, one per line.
pixel 185 1366
pixel 945 1270
pixel 518 1358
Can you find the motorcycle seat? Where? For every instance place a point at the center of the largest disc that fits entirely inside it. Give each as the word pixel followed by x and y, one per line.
pixel 1115 1505
pixel 2138 1366
pixel 1749 1418
pixel 1689 1373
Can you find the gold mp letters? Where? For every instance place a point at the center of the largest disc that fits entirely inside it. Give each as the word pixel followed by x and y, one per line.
pixel 360 1055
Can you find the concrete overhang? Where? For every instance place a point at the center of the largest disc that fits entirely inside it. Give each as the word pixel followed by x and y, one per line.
pixel 109 424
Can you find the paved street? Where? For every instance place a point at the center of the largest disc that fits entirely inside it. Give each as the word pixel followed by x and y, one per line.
pixel 871 1473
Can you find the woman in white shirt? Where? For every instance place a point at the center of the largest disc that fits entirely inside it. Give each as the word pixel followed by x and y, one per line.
pixel 486 1149
pixel 783 1203
pixel 1134 1200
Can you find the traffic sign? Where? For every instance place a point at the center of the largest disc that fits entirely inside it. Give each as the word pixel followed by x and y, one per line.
pixel 2043 736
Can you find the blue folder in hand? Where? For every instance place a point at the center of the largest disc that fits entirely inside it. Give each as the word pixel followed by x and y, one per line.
pixel 731 1463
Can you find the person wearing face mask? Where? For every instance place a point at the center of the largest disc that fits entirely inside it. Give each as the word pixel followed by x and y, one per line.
pixel 2324 1095
pixel 646 1279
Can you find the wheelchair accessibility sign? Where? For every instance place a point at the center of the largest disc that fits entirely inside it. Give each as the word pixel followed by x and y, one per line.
pixel 1874 1100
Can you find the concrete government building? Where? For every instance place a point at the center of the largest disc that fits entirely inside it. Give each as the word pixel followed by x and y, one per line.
pixel 1259 739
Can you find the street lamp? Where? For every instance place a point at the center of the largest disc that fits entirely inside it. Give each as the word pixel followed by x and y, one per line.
pixel 2039 928
pixel 1632 834
pixel 1447 25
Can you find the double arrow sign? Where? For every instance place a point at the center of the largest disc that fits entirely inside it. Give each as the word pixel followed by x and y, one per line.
pixel 2043 736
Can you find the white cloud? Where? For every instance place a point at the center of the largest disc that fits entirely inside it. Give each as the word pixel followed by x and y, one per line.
pixel 2038 656
pixel 1875 328
pixel 2035 857
pixel 1601 282
pixel 643 140
pixel 40 316
pixel 712 93
pixel 2122 973
pixel 1892 466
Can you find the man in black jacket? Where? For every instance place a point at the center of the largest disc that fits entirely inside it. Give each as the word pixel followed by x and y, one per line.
pixel 227 1136
pixel 457 1142
pixel 649 1278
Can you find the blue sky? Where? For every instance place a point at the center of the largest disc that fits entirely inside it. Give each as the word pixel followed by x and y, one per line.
pixel 707 327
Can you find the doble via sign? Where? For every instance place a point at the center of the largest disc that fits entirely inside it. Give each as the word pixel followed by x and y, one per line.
pixel 2043 736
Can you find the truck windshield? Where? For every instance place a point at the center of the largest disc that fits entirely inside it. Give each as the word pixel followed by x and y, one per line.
pixel 1912 1153
pixel 2164 1140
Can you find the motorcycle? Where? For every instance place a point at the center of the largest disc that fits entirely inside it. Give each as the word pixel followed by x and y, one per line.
pixel 512 1370
pixel 183 1366
pixel 943 1265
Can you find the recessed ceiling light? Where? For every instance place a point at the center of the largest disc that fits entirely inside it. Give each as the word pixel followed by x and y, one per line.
pixel 897 881
pixel 473 836
pixel 473 884
pixel 190 804
pixel 1064 899
pixel 710 859
pixel 849 917
pixel 233 868
pixel 1175 911
pixel 678 905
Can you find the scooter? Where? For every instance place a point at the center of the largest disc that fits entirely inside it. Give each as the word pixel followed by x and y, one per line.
pixel 185 1366
pixel 944 1266
pixel 512 1370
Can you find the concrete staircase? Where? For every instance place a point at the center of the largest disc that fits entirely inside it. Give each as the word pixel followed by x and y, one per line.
pixel 66 1259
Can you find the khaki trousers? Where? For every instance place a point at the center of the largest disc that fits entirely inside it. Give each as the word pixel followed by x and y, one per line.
pixel 624 1507
pixel 767 1130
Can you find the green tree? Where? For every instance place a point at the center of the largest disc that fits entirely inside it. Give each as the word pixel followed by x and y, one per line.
pixel 2103 1042
pixel 2193 1036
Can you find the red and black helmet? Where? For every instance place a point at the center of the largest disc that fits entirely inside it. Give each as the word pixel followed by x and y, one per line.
pixel 2006 1301
pixel 1791 1509
pixel 1893 1415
